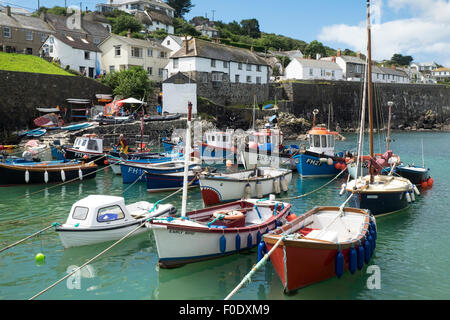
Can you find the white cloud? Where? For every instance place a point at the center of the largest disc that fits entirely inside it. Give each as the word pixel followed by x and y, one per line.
pixel 426 36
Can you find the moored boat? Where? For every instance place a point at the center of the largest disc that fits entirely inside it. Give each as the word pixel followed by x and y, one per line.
pixel 320 244
pixel 100 218
pixel 419 176
pixel 24 172
pixel 157 182
pixel 215 231
pixel 77 126
pixel 88 147
pixel 256 183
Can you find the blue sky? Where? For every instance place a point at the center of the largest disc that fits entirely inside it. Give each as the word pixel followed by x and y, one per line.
pixel 420 28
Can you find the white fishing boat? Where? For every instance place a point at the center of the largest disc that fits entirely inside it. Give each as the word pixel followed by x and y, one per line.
pixel 256 183
pixel 100 218
pixel 216 231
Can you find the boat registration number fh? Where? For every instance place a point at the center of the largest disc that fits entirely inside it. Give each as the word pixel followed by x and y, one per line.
pixel 313 162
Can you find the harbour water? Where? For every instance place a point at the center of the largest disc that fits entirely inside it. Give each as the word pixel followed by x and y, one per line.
pixel 411 252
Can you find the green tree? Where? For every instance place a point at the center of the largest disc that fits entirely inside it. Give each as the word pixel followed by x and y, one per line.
pixel 133 82
pixel 313 48
pixel 61 11
pixel 125 23
pixel 181 7
pixel 250 27
pixel 401 60
pixel 181 27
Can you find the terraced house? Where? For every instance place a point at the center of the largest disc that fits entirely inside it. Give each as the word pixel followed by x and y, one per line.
pixel 21 33
pixel 121 53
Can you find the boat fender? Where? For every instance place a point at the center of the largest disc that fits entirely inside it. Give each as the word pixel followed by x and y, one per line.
pixel 374 230
pixel 352 260
pixel 223 243
pixel 249 241
pixel 247 191
pixel 238 242
pixel 46 176
pixel 259 194
pixel 367 253
pixel 330 161
pixel 291 217
pixel 371 241
pixel 262 250
pixel 413 197
pixel 360 254
pixel 63 176
pixel 342 189
pixel 258 237
pixel 323 160
pixel 27 176
pixel 80 174
pixel 276 185
pixel 416 190
pixel 408 197
pixel 284 185
pixel 430 182
pixel 339 264
pixel 424 184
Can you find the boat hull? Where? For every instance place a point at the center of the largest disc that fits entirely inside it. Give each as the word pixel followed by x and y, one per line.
pixel 163 182
pixel 416 175
pixel 380 203
pixel 311 166
pixel 10 174
pixel 267 159
pixel 131 173
pixel 73 154
pixel 216 190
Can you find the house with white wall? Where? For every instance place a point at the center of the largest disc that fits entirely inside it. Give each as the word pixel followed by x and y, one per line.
pixel 207 61
pixel 441 74
pixel 207 31
pixel 133 6
pixel 121 53
pixel 174 43
pixel 353 67
pixel 389 75
pixel 310 69
pixel 73 53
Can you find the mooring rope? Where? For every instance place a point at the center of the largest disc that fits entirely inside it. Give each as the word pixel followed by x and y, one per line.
pixel 110 247
pixel 30 236
pixel 247 278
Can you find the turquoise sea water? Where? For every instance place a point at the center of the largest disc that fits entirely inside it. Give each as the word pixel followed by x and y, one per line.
pixel 411 252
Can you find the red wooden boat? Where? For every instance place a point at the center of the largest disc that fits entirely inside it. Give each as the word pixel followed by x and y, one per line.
pixel 320 244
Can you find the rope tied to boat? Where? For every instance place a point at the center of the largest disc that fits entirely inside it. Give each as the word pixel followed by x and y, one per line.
pixel 247 278
pixel 37 233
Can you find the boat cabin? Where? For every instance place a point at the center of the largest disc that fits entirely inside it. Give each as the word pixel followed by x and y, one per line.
pixel 219 139
pixel 321 141
pixel 88 143
pixel 99 211
pixel 265 139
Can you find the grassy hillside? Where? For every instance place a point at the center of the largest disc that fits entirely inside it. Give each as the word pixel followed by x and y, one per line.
pixel 28 63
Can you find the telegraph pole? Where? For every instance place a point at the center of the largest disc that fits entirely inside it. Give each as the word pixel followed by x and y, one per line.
pixel 213 14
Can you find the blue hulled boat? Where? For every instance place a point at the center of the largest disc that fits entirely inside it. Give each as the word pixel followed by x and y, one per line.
pixel 157 182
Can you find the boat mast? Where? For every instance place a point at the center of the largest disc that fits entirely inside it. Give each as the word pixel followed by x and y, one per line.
pixel 369 87
pixel 187 156
pixel 388 138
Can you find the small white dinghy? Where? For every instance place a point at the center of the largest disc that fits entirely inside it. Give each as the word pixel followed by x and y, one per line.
pixel 100 218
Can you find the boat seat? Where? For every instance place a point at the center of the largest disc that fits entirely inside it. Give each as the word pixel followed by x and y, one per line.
pixel 331 236
pixel 306 231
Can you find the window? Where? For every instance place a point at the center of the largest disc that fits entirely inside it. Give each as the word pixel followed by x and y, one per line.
pixel 258 79
pixel 249 79
pixel 310 71
pixel 136 52
pixel 7 32
pixel 216 76
pixel 204 77
pixel 92 145
pixel 213 63
pixel 86 55
pixel 28 35
pixel 258 68
pixel 324 141
pixel 112 68
pixel 332 73
pixel 43 37
pixel 168 42
pixel 83 72
pixel 51 49
pixel 110 213
pixel 236 78
pixel 213 138
pixel 149 52
pixel 150 70
pixel 240 66
pixel 162 54
pixel 160 72
pixel 249 67
pixel 316 139
pixel 96 40
pixel 175 63
pixel 358 68
pixel 80 213
pixel 117 51
pixel 225 64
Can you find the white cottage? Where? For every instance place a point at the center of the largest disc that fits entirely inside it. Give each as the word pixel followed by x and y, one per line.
pixel 207 61
pixel 309 69
pixel 74 53
pixel 178 91
pixel 173 43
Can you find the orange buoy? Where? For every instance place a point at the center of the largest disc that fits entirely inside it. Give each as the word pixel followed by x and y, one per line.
pixel 430 182
pixel 343 167
pixel 291 217
pixel 85 157
pixel 424 184
pixel 106 162
pixel 337 166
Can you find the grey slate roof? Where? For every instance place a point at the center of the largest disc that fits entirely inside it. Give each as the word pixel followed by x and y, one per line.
pixel 25 22
pixel 384 70
pixel 212 50
pixel 352 59
pixel 179 78
pixel 77 43
pixel 96 29
pixel 318 63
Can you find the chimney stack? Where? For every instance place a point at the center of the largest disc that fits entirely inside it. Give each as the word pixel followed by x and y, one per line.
pixel 8 11
pixel 333 59
pixel 338 53
pixel 358 54
pixel 129 33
